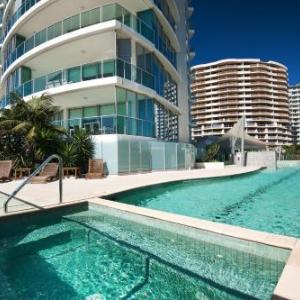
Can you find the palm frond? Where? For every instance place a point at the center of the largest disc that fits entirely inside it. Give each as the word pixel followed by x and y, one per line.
pixel 22 126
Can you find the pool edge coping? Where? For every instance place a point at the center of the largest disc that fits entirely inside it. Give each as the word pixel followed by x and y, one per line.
pixel 170 181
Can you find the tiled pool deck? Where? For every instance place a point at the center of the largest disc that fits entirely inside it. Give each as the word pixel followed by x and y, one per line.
pixel 81 190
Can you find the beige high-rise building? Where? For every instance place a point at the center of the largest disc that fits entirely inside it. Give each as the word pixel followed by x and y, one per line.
pixel 225 90
pixel 294 102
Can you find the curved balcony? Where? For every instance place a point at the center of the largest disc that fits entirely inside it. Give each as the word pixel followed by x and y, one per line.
pixel 91 71
pixel 89 18
pixel 110 124
pixel 27 4
pixel 24 7
pixel 164 8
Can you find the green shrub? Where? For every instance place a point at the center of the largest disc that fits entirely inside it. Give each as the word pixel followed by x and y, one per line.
pixel 212 152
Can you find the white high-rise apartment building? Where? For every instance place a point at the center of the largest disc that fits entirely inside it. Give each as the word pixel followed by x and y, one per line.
pixel 294 103
pixel 225 90
pixel 2 5
pixel 119 69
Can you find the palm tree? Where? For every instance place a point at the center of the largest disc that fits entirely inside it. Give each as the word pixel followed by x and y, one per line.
pixel 84 148
pixel 46 143
pixel 14 147
pixel 32 120
pixel 29 117
pixel 69 153
pixel 29 124
pixel 212 152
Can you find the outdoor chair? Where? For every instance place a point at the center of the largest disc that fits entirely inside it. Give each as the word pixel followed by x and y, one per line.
pixel 49 173
pixel 96 169
pixel 5 170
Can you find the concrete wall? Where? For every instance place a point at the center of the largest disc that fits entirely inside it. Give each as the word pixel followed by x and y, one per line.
pixel 210 165
pixel 183 70
pixel 288 163
pixel 262 159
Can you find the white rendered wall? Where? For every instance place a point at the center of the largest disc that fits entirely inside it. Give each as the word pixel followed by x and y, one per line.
pixel 182 67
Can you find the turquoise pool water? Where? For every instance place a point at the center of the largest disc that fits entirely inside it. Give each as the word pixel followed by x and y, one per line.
pixel 267 200
pixel 106 254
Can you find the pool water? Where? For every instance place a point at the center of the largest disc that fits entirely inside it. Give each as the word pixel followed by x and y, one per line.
pixel 107 254
pixel 268 200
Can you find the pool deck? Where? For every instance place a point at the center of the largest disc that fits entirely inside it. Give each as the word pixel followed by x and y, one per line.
pixel 44 195
pixel 81 190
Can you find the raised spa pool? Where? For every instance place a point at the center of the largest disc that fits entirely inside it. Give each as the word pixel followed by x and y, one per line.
pixel 100 253
pixel 267 200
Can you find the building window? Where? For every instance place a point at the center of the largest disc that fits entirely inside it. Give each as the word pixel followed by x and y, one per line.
pixel 91 71
pixel 73 75
pixel 109 68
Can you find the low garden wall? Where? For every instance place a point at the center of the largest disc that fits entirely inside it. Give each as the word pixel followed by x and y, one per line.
pixel 261 159
pixel 288 163
pixel 210 165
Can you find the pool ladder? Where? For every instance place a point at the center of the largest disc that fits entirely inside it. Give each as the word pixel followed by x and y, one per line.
pixel 19 188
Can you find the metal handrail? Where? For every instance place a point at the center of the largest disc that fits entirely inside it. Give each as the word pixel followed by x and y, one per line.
pixel 60 174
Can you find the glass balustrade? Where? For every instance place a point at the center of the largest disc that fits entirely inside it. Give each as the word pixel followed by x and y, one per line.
pixel 165 9
pixel 96 70
pixel 26 5
pixel 88 18
pixel 109 124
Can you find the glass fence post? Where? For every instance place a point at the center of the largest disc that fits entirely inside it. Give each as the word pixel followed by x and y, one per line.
pixel 33 85
pixel 124 69
pixel 33 40
pixel 80 20
pixel 123 16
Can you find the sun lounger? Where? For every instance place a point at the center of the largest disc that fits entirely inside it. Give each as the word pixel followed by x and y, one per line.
pixel 96 169
pixel 5 169
pixel 49 173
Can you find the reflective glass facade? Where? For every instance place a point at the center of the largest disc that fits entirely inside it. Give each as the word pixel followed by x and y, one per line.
pixel 127 113
pixel 163 5
pixel 167 122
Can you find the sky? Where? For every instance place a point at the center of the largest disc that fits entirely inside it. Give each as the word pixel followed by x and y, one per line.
pixel 264 29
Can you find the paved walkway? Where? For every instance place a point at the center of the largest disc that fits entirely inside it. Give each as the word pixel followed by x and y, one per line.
pixel 80 189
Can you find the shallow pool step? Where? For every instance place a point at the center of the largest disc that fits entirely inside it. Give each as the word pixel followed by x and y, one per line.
pixel 34 247
pixel 39 232
pixel 228 270
pixel 160 281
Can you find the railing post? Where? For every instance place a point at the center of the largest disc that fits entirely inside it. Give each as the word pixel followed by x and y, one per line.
pixel 14 193
pixel 60 174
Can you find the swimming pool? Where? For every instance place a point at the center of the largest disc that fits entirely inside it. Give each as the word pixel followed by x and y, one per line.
pixel 268 200
pixel 99 253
